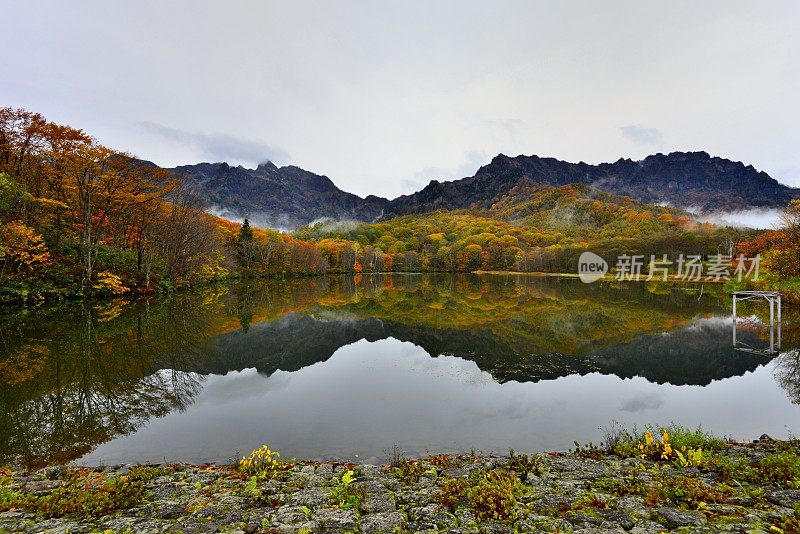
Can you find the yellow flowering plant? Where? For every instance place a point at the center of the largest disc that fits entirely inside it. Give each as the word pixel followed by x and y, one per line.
pixel 263 463
pixel 662 450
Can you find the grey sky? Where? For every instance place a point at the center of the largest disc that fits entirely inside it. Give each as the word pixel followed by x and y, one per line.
pixel 384 96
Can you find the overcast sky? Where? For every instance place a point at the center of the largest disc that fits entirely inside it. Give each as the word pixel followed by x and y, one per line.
pixel 384 96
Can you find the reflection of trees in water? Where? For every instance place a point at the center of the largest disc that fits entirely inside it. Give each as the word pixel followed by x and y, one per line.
pixel 95 382
pixel 71 420
pixel 787 373
pixel 74 376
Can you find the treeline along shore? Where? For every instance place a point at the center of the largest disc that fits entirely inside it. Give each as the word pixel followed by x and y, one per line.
pixel 79 219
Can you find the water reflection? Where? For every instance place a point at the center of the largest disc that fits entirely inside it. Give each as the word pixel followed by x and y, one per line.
pixel 491 362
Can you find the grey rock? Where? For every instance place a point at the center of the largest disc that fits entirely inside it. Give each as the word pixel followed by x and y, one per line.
pixel 325 470
pixel 465 516
pixel 290 514
pixel 369 471
pixel 167 491
pixel 552 503
pixel 372 486
pixel 787 498
pixel 168 511
pixel 40 486
pixel 378 503
pixel 633 505
pixel 297 527
pixel 495 527
pixel 432 514
pixel 311 497
pixel 424 482
pixel 59 526
pixel 307 470
pixel 15 514
pixel 647 527
pixel 381 522
pixel 675 518
pixel 619 517
pixel 581 518
pixel 336 518
pixel 455 472
pixel 271 487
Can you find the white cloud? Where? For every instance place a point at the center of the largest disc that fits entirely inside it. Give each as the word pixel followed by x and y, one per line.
pixel 645 136
pixel 376 93
pixel 217 147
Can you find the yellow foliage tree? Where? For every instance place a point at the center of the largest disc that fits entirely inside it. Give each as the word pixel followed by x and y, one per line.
pixel 22 250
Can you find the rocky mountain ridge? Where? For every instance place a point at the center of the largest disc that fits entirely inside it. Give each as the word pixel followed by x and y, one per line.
pixel 276 197
pixel 288 197
pixel 690 180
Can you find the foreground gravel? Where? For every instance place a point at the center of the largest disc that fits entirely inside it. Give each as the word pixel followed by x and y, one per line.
pixel 557 492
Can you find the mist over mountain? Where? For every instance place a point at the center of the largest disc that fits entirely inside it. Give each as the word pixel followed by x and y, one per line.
pixel 276 197
pixel 691 180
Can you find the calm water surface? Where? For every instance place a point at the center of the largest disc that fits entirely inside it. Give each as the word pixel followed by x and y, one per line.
pixel 347 367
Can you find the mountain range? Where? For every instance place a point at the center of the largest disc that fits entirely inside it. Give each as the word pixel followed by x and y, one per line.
pixel 275 197
pixel 689 180
pixel 287 197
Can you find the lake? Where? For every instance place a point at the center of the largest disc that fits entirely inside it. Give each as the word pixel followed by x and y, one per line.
pixel 350 367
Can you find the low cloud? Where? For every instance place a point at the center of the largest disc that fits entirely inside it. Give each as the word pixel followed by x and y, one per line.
pixel 216 147
pixel 641 135
pixel 760 219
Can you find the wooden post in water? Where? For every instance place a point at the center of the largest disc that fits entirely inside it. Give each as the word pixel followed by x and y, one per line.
pixel 779 321
pixel 734 319
pixel 771 325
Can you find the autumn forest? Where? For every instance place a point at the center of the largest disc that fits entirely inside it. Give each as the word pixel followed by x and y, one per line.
pixel 79 218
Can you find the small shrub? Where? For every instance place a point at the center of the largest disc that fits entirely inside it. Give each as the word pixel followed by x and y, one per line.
pixel 781 469
pixel 616 439
pixel 146 473
pixel 590 450
pixel 790 525
pixel 83 493
pixel 454 492
pixel 495 496
pixel 681 436
pixel 523 464
pixel 9 498
pixel 263 463
pixel 396 455
pixel 443 461
pixel 630 483
pixel 591 501
pixel 346 494
pixel 409 471
pixel 684 491
pixel 655 450
pixel 688 457
pixel 729 469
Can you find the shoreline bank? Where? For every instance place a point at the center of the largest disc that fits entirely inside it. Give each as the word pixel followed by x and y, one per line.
pixel 734 488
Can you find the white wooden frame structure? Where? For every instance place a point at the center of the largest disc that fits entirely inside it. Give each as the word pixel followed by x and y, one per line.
pixel 773 297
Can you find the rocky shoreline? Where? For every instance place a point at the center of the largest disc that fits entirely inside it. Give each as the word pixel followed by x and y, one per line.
pixel 586 490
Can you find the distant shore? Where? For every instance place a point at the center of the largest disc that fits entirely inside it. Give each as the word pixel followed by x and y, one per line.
pixel 733 488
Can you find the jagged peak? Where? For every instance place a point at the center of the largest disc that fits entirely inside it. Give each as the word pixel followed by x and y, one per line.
pixel 267 166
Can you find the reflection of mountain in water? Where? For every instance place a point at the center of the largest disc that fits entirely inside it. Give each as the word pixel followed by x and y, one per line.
pixel 696 354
